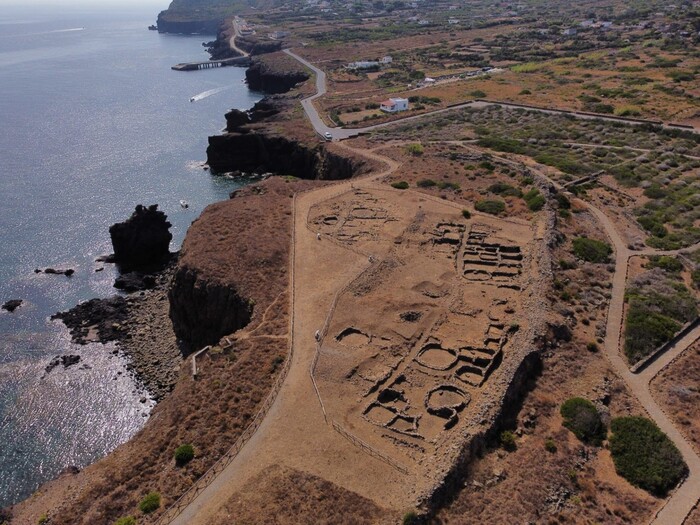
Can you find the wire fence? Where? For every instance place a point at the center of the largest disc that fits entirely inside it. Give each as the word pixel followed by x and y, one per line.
pixel 220 465
pixel 210 475
pixel 366 447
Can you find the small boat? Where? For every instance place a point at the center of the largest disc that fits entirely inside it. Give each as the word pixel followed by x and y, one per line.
pixel 192 99
pixel 184 204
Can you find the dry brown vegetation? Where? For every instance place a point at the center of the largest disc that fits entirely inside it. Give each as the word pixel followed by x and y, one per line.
pixel 461 174
pixel 213 410
pixel 677 388
pixel 576 483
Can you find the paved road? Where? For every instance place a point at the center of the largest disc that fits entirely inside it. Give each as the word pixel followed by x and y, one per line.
pixel 232 40
pixel 284 438
pixel 340 133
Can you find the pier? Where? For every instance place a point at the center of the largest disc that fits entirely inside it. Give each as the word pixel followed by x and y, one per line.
pixel 195 66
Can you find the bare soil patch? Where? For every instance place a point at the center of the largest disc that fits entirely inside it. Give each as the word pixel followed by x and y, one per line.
pixel 286 496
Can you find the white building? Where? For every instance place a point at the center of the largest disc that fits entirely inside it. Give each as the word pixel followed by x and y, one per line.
pixel 386 60
pixel 278 35
pixel 363 64
pixel 394 105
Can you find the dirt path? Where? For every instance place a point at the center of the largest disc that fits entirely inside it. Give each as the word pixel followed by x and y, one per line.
pixel 682 501
pixel 294 432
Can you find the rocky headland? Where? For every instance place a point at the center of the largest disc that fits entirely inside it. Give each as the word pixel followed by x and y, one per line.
pixel 261 76
pixel 228 289
pixel 257 141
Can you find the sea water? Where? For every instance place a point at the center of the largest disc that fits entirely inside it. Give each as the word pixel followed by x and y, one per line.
pixel 92 122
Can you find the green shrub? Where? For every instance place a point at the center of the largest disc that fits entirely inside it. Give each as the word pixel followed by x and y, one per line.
pixel 466 214
pixel 567 265
pixel 535 201
pixel 426 183
pixel 477 93
pixel 550 446
pixel 628 111
pixel 563 201
pixel 592 346
pixel 43 519
pixel 507 145
pixel 681 76
pixel 410 518
pixel 645 456
pixel 501 188
pixel 184 454
pixel 486 165
pixel 582 418
pixel 150 503
pixel 591 250
pixel 655 314
pixel 444 185
pixel 507 440
pixel 400 185
pixel 126 520
pixel 526 92
pixel 415 149
pixel 490 206
pixel 666 263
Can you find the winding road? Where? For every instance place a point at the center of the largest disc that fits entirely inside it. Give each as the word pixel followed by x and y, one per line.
pixel 340 133
pixel 686 497
pixel 294 432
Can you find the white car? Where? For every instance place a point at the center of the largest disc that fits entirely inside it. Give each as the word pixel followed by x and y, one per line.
pixel 327 135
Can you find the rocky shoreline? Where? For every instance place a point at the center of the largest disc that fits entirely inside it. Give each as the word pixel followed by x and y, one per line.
pixel 140 325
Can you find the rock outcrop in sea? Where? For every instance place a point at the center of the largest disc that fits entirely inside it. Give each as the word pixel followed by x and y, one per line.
pixel 142 242
pixel 12 305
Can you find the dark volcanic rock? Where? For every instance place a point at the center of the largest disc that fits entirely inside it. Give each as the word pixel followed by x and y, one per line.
pixel 54 271
pixel 203 311
pixel 65 360
pixel 236 118
pixel 261 77
pixel 143 240
pixel 260 153
pixel 135 281
pixel 168 23
pixel 106 315
pixel 12 305
pixel 265 108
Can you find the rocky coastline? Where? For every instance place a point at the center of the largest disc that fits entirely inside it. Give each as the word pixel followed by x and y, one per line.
pixel 215 286
pixel 167 23
pixel 140 325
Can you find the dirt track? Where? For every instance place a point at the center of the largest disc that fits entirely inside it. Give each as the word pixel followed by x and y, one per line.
pixel 284 437
pixel 294 432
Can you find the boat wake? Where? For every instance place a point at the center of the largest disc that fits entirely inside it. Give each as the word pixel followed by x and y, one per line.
pixel 209 93
pixel 71 30
pixel 66 30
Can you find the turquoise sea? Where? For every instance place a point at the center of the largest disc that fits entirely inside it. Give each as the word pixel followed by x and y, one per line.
pixel 92 122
